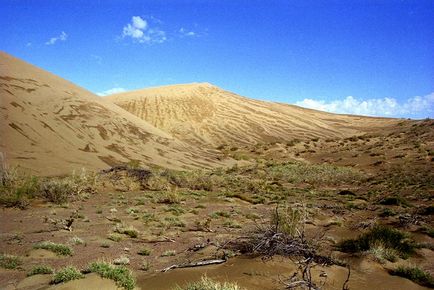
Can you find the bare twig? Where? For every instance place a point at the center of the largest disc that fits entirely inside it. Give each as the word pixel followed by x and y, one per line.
pixel 194 264
pixel 345 286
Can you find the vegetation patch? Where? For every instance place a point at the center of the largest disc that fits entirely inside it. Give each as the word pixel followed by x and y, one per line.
pixel 59 249
pixel 395 200
pixel 120 274
pixel 40 269
pixel 208 284
pixel 129 231
pixel 144 252
pixel 9 261
pixel 67 274
pixel 414 274
pixel 387 237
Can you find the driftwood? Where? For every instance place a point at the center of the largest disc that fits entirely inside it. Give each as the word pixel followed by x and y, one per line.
pixel 194 264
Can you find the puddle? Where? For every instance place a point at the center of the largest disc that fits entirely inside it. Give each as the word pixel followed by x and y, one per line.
pixel 256 274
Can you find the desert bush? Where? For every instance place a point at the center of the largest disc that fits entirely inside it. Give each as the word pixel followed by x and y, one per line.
pixel 387 237
pixel 120 274
pixel 129 231
pixel 394 200
pixel 208 284
pixel 57 191
pixel 67 274
pixel 59 249
pixel 16 188
pixel 289 219
pixel 9 261
pixel 115 237
pixel 40 269
pixel 414 274
pixel 168 197
pixel 144 252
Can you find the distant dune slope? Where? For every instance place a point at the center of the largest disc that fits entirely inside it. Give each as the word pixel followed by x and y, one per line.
pixel 201 113
pixel 52 126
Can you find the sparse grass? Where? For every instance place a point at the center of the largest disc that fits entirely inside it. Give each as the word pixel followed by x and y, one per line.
pixel 59 249
pixel 414 274
pixel 67 274
pixel 232 224
pixel 173 221
pixel 169 197
pixel 168 253
pixel 129 231
pixel 289 219
pixel 115 237
pixel 148 217
pixel 144 252
pixel 145 265
pixel 208 284
pixel 220 213
pixel 9 261
pixel 175 209
pixel 387 212
pixel 121 275
pixel 382 253
pixel 40 269
pixel 76 241
pixel 428 231
pixel 387 237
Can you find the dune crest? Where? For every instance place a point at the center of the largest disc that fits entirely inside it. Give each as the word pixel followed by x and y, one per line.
pixel 51 126
pixel 201 113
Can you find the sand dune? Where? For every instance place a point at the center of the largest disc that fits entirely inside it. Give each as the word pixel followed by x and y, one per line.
pixel 51 126
pixel 201 113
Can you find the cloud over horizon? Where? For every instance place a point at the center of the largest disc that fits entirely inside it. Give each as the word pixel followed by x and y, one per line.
pixel 140 31
pixel 111 91
pixel 416 107
pixel 61 37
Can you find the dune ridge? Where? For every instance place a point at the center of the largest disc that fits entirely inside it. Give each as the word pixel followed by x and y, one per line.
pixel 51 126
pixel 203 114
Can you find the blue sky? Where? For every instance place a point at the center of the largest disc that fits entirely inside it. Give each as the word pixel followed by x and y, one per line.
pixel 364 57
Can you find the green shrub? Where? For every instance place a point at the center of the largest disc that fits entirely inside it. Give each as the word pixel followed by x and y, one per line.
pixel 414 274
pixel 144 252
pixel 40 269
pixel 394 200
pixel 59 249
pixel 387 237
pixel 121 275
pixel 9 261
pixel 129 231
pixel 57 191
pixel 66 274
pixel 16 188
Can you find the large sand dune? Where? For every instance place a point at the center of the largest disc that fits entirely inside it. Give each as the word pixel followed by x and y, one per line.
pixel 51 126
pixel 201 113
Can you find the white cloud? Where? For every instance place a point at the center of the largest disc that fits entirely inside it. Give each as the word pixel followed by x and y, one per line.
pixel 62 37
pixel 417 107
pixel 111 91
pixel 184 32
pixel 140 31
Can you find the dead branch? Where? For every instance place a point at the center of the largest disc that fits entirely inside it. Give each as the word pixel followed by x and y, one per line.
pixel 345 286
pixel 194 264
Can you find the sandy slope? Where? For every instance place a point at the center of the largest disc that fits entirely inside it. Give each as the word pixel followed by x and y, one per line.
pixel 52 126
pixel 205 114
